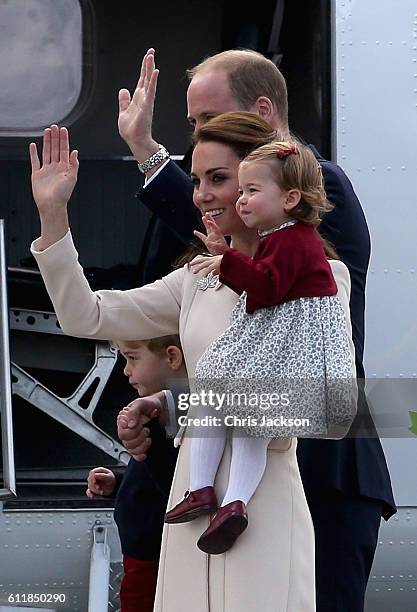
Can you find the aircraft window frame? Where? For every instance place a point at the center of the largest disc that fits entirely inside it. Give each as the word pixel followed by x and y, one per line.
pixel 6 425
pixel 81 73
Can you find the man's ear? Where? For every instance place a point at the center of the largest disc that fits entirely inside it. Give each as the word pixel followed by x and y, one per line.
pixel 264 108
pixel 174 357
pixel 293 198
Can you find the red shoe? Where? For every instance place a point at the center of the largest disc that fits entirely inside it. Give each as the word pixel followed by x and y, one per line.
pixel 194 504
pixel 227 525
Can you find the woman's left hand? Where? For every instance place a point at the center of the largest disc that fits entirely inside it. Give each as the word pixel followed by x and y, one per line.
pixel 207 264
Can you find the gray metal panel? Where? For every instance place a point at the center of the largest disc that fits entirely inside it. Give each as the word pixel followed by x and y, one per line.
pixel 392 584
pixel 376 122
pixel 49 551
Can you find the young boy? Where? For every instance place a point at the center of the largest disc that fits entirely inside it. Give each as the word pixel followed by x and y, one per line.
pixel 142 492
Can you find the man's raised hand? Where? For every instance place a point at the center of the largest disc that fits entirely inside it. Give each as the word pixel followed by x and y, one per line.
pixel 136 112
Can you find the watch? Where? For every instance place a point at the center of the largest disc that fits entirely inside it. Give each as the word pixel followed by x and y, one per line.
pixel 154 160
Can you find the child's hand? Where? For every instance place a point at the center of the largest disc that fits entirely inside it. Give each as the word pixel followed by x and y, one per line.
pixel 214 241
pixel 208 264
pixel 100 481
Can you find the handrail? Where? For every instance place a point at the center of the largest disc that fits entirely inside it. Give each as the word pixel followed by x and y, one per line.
pixel 9 473
pixel 98 592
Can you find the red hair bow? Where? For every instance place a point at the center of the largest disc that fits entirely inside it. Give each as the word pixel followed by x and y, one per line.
pixel 285 150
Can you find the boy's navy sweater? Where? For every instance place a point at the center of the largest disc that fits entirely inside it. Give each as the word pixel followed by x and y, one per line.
pixel 142 497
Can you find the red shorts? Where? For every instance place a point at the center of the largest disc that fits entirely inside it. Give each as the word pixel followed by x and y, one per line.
pixel 137 591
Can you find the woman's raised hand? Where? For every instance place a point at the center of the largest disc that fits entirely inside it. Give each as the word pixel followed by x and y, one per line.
pixel 206 264
pixel 53 182
pixel 214 240
pixel 136 112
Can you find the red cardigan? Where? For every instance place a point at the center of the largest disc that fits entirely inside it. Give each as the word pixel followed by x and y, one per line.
pixel 288 264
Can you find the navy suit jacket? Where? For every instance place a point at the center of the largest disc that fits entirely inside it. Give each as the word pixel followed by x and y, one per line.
pixel 355 465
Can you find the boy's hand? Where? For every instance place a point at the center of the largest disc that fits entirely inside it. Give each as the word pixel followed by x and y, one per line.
pixel 131 421
pixel 100 481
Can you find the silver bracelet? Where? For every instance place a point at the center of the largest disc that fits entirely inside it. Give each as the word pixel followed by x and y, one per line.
pixel 154 160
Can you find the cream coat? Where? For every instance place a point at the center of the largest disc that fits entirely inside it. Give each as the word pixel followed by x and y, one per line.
pixel 271 566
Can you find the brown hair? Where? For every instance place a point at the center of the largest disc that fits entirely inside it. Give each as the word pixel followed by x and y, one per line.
pixel 241 131
pixel 156 345
pixel 250 75
pixel 295 167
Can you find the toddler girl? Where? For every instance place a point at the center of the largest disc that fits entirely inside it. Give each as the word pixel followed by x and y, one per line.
pixel 288 339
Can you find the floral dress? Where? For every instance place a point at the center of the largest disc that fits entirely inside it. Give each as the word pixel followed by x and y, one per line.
pixel 283 370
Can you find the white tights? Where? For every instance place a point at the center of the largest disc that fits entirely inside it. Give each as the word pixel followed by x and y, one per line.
pixel 246 467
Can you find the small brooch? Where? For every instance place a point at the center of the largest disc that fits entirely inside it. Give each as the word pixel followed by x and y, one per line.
pixel 210 281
